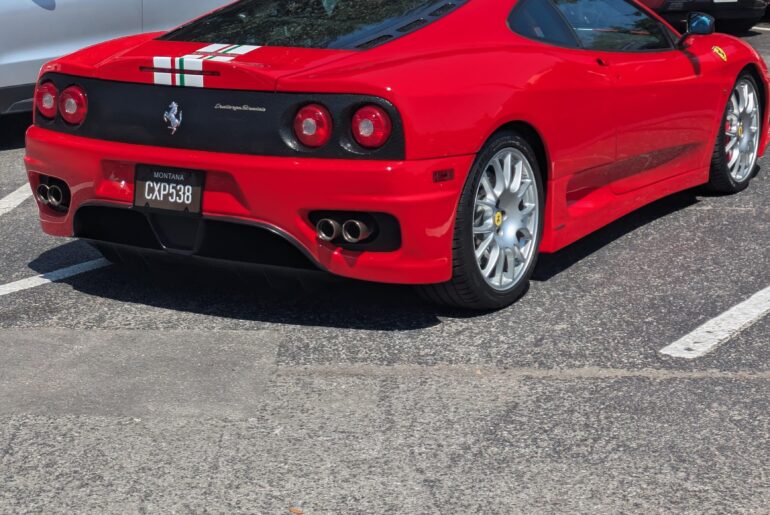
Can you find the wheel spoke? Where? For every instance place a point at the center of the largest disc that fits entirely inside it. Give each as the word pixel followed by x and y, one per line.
pixel 732 143
pixel 484 245
pixel 741 163
pixel 735 103
pixel 510 264
pixel 500 267
pixel 487 204
pixel 528 210
pixel 508 171
pixel 487 227
pixel 750 103
pixel 525 185
pixel 743 96
pixel 488 189
pixel 518 255
pixel 518 176
pixel 734 155
pixel 502 179
pixel 494 256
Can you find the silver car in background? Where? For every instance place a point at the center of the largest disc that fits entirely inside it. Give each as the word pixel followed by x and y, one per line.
pixel 32 32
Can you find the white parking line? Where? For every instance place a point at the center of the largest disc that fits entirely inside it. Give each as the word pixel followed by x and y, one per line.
pixel 766 29
pixel 11 201
pixel 56 275
pixel 720 329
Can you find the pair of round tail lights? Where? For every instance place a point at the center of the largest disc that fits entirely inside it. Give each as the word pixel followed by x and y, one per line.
pixel 313 124
pixel 71 104
pixel 371 126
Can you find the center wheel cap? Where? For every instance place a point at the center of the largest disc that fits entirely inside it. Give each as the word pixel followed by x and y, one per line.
pixel 499 218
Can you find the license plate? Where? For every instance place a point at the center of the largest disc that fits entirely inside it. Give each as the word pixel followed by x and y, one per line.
pixel 170 189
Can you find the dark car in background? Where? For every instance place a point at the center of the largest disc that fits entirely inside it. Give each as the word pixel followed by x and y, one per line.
pixel 731 15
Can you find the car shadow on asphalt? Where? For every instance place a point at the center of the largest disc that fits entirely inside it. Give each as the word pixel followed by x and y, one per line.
pixel 246 293
pixel 307 298
pixel 12 130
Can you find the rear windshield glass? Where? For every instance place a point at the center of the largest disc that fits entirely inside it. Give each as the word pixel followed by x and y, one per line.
pixel 313 23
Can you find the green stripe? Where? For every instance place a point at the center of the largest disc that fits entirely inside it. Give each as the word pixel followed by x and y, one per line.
pixel 228 50
pixel 181 75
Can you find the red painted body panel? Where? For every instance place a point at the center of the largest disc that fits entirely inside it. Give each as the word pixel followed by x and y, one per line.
pixel 619 130
pixel 249 189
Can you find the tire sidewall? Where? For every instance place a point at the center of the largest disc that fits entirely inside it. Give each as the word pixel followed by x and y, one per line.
pixel 465 253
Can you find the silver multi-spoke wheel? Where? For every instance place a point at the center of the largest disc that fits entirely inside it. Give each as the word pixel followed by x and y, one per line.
pixel 505 219
pixel 742 130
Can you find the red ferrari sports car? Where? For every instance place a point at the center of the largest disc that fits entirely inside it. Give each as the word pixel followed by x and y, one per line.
pixel 440 143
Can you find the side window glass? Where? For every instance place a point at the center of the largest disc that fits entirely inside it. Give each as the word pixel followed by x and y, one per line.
pixel 537 19
pixel 613 25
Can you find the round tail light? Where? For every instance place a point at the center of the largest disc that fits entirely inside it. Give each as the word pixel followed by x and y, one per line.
pixel 73 105
pixel 313 126
pixel 371 126
pixel 46 99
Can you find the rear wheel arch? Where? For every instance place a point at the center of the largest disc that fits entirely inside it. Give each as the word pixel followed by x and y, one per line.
pixel 533 137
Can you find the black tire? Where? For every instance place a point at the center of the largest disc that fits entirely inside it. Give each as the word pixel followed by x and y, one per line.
pixel 737 26
pixel 720 180
pixel 467 289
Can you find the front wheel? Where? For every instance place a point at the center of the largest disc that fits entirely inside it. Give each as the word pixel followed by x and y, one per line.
pixel 737 145
pixel 498 228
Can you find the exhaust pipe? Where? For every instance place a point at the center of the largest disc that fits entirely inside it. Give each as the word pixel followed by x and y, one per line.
pixel 355 231
pixel 42 193
pixel 328 229
pixel 55 196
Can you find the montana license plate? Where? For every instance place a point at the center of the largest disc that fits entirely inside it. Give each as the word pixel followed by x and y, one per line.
pixel 170 189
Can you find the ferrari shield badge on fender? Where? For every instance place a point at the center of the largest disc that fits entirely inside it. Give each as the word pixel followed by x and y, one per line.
pixel 721 53
pixel 173 117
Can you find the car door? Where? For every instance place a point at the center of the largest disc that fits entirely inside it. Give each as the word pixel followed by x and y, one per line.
pixel 665 111
pixel 36 31
pixel 168 14
pixel 576 91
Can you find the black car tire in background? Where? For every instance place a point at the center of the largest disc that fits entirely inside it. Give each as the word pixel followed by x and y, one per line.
pixel 737 26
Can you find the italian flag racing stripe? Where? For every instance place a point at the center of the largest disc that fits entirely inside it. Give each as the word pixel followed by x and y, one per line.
pixel 227 49
pixel 176 75
pixel 178 66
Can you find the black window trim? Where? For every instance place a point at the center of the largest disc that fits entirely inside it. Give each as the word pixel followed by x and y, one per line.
pixel 579 46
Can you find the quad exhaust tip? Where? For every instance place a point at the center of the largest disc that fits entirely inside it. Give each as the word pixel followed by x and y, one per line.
pixel 55 196
pixel 355 231
pixel 42 193
pixel 328 229
pixel 53 193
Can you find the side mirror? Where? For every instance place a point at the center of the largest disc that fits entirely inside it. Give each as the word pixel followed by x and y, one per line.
pixel 698 24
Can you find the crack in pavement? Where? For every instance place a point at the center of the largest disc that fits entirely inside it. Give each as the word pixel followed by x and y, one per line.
pixel 517 373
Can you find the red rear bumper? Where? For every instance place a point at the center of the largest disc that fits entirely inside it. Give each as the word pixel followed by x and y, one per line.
pixel 277 192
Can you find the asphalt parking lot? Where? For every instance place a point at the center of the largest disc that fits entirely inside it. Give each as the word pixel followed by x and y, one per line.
pixel 193 390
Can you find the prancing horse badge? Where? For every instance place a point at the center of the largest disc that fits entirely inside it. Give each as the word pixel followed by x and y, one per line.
pixel 173 117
